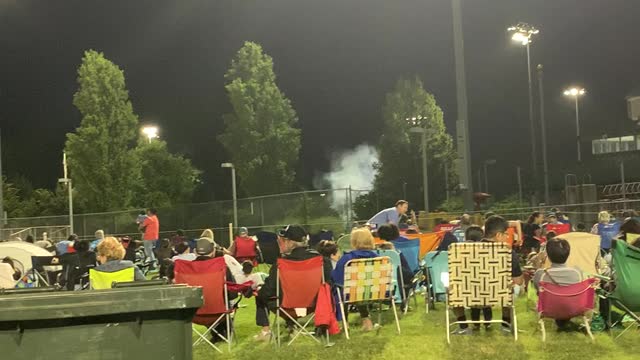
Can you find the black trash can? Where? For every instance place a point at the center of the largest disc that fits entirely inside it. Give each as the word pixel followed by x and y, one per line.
pixel 137 323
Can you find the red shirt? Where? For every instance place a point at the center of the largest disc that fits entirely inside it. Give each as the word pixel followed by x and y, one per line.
pixel 151 228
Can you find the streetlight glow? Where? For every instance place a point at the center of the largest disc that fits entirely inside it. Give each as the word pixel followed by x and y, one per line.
pixel 151 132
pixel 574 91
pixel 521 38
pixel 522 33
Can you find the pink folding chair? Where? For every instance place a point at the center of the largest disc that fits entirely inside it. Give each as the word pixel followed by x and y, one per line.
pixel 564 302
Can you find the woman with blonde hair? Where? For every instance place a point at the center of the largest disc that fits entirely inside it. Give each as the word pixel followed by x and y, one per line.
pixel 110 253
pixel 362 245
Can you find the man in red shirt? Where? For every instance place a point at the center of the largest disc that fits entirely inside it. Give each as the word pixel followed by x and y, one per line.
pixel 151 227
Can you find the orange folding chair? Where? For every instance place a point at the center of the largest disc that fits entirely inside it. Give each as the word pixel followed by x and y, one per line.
pixel 211 276
pixel 299 283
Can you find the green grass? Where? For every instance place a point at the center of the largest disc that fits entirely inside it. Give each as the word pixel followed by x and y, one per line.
pixel 423 336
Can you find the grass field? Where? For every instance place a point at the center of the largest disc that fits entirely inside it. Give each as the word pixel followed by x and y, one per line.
pixel 423 336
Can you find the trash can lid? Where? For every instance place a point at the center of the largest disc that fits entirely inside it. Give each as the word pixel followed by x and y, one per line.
pixel 71 304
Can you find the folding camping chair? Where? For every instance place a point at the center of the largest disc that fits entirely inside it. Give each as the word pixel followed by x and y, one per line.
pixel 299 283
pixel 399 292
pixel 585 252
pixel 479 276
pixel 566 302
pixel 101 280
pixel 626 295
pixel 411 251
pixel 43 277
pixel 435 263
pixel 367 281
pixel 211 276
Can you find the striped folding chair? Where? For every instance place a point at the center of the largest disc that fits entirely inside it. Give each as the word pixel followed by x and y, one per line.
pixel 479 276
pixel 367 281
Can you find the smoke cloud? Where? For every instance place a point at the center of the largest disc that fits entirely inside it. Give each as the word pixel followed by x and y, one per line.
pixel 350 168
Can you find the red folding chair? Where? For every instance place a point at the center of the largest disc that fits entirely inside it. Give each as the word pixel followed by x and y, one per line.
pixel 299 282
pixel 560 302
pixel 211 276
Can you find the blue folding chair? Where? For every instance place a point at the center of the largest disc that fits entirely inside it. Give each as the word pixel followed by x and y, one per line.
pixel 436 264
pixel 410 249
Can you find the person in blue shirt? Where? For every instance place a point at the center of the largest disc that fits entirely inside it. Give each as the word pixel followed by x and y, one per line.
pixel 363 245
pixel 607 228
pixel 390 215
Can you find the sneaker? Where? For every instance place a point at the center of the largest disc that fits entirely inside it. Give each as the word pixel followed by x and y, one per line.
pixel 262 336
pixel 506 330
pixel 460 331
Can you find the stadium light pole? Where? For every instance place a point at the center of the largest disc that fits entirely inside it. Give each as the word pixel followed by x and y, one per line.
pixel 233 189
pixel 575 93
pixel 521 34
pixel 462 122
pixel 151 132
pixel 417 127
pixel 543 136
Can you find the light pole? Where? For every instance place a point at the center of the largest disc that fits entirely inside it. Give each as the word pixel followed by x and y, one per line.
pixel 151 132
pixel 522 33
pixel 575 93
pixel 235 195
pixel 417 127
pixel 486 176
pixel 543 136
pixel 462 122
pixel 67 181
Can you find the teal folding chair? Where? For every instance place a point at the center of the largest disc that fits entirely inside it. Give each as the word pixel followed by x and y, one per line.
pixel 399 294
pixel 436 263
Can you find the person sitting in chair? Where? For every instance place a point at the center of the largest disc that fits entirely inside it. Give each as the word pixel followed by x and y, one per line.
pixel 292 243
pixel 558 273
pixel 363 245
pixel 110 254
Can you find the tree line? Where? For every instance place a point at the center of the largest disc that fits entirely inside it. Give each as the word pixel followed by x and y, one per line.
pixel 114 167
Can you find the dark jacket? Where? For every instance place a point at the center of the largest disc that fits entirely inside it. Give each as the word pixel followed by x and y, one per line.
pixel 268 290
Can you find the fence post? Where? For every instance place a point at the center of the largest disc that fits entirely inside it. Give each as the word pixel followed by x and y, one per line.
pixel 262 212
pixel 304 204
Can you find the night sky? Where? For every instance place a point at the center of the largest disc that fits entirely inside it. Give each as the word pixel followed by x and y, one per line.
pixel 335 60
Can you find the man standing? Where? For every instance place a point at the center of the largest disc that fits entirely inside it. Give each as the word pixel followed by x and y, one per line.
pixel 151 227
pixel 390 215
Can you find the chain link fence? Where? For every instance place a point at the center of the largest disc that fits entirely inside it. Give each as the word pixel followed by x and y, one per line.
pixel 318 209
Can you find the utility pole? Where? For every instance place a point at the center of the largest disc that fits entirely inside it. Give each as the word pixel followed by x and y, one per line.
pixel 462 123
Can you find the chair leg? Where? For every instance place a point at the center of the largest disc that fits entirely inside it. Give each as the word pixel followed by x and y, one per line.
pixel 588 327
pixel 542 329
pixel 345 323
pixel 514 324
pixel 380 312
pixel 447 323
pixel 278 335
pixel 229 334
pixel 395 314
